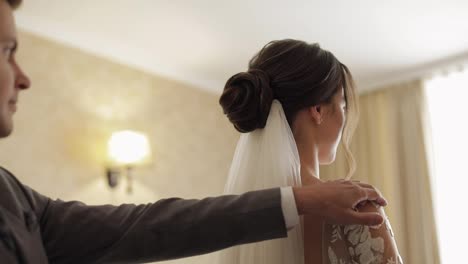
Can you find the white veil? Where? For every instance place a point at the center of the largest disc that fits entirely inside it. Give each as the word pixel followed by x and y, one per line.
pixel 266 158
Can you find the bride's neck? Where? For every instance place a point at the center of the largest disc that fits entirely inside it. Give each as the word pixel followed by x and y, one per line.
pixel 308 155
pixel 307 148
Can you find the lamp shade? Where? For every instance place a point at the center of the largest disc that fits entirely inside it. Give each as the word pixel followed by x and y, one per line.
pixel 128 148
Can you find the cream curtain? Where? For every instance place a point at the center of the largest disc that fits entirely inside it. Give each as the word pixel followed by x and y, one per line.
pixel 391 153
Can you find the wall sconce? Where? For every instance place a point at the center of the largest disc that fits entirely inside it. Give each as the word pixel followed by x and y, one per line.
pixel 126 149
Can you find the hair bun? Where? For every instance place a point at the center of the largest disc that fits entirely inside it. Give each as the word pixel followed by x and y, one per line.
pixel 246 100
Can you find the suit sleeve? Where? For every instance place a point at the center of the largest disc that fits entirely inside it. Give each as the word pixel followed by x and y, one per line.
pixel 73 232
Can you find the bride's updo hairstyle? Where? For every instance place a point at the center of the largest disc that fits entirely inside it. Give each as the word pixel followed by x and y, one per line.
pixel 296 73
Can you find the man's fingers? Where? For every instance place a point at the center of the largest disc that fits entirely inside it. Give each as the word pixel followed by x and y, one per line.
pixel 372 194
pixel 368 186
pixel 343 181
pixel 365 185
pixel 369 219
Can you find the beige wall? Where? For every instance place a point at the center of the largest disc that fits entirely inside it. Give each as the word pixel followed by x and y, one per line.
pixel 77 100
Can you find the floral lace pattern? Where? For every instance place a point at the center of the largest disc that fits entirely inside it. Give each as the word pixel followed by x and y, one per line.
pixel 363 246
pixel 356 244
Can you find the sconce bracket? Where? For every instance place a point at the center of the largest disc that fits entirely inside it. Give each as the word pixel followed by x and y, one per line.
pixel 113 175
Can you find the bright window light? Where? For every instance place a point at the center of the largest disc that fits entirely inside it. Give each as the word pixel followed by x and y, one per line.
pixel 447 98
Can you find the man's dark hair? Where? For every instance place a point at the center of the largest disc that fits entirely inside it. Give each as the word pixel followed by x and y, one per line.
pixel 14 3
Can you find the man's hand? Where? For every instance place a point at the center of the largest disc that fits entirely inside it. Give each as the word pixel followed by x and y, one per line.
pixel 336 201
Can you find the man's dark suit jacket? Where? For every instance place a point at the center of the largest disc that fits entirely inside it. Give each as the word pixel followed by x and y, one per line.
pixel 36 229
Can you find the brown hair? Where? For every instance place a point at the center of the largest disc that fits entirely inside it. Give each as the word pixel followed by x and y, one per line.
pixel 296 73
pixel 14 3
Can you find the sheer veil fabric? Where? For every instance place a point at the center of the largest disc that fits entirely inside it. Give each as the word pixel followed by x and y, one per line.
pixel 266 158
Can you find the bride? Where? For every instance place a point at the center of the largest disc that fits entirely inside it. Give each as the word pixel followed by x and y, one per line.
pixel 294 105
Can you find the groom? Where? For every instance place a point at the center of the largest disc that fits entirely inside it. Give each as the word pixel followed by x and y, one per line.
pixel 36 229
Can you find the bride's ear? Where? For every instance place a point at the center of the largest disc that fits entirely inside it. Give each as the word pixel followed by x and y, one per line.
pixel 316 113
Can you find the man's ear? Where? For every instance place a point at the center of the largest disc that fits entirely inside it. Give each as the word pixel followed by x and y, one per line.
pixel 316 113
